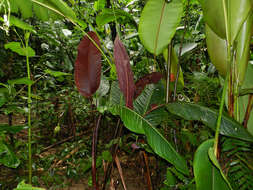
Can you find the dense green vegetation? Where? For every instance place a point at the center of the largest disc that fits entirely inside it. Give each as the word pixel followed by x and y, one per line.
pixel 98 92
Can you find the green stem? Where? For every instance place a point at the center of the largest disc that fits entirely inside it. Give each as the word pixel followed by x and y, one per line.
pixel 29 111
pixel 228 62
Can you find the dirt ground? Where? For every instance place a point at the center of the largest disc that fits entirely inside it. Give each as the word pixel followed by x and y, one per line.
pixel 133 169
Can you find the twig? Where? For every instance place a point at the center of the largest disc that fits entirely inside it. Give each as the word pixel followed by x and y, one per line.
pixel 149 182
pixel 114 149
pixel 248 111
pixel 120 171
pixel 63 141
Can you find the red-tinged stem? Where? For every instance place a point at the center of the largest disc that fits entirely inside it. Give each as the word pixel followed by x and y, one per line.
pixel 94 152
pixel 248 111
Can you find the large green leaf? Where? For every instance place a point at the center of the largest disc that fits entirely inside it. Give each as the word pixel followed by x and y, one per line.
pixel 136 123
pixel 7 157
pixel 152 95
pixel 25 7
pixel 216 47
pixel 207 176
pixel 229 127
pixel 43 9
pixel 238 11
pixel 158 23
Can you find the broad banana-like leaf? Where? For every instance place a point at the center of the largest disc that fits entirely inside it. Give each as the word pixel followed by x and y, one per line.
pixel 116 96
pixel 229 127
pixel 158 23
pixel 216 47
pixel 217 50
pixel 238 11
pixel 141 83
pixel 124 72
pixel 136 123
pixel 151 97
pixel 207 176
pixel 173 67
pixel 88 65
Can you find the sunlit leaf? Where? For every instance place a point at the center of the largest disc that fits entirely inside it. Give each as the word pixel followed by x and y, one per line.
pixel 16 47
pixel 158 23
pixel 238 11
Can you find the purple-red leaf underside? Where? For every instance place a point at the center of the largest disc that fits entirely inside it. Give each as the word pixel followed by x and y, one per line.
pixel 151 78
pixel 88 65
pixel 124 72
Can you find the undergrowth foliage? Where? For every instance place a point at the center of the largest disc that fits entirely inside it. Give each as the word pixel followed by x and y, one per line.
pixel 160 80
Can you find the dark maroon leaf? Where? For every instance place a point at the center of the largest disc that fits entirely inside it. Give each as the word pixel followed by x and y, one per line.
pixel 88 66
pixel 151 78
pixel 124 72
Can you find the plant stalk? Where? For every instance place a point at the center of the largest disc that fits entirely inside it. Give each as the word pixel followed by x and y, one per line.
pixel 94 152
pixel 168 73
pixel 29 101
pixel 228 62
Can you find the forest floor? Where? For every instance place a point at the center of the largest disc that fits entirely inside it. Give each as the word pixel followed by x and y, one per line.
pixel 133 168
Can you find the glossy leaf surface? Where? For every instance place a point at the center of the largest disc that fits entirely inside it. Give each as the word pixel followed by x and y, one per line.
pixel 136 123
pixel 158 23
pixel 88 66
pixel 238 11
pixel 207 176
pixel 124 72
pixel 216 47
pixel 229 127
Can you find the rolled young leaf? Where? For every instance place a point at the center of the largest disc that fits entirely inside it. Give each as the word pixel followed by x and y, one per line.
pixel 124 72
pixel 88 66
